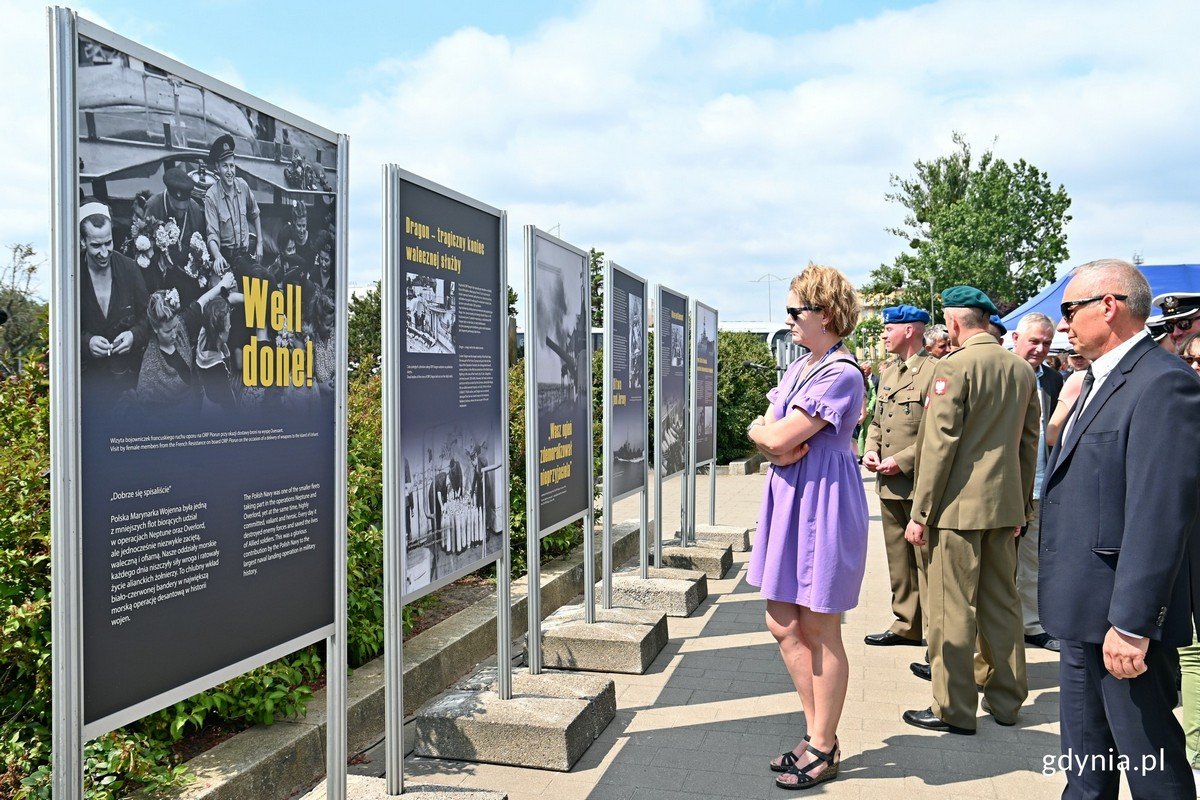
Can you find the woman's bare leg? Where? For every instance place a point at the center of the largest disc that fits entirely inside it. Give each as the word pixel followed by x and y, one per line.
pixel 784 623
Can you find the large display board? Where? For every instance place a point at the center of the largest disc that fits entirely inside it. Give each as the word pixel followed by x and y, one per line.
pixel 559 352
pixel 205 294
pixel 671 382
pixel 446 371
pixel 704 392
pixel 625 382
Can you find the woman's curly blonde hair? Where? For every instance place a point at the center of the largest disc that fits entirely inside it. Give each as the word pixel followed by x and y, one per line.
pixel 831 291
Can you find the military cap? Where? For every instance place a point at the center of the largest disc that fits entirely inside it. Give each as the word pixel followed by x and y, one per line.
pixel 968 297
pixel 995 320
pixel 1177 305
pixel 222 148
pixel 1158 327
pixel 177 179
pixel 898 315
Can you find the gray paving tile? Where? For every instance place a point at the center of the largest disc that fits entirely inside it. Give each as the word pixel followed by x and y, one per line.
pixel 709 714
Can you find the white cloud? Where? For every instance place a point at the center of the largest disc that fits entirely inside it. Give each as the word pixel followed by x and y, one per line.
pixel 705 156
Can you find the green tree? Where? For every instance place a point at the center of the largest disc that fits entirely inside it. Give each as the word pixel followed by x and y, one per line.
pixel 596 273
pixel 365 328
pixel 867 334
pixel 22 313
pixel 983 222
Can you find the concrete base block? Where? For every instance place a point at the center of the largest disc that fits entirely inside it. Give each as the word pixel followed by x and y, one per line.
pixel 420 792
pixel 722 535
pixel 361 787
pixel 549 723
pixel 747 466
pixel 710 558
pixel 620 640
pixel 675 592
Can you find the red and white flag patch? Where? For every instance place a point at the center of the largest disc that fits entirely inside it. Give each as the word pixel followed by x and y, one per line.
pixel 940 386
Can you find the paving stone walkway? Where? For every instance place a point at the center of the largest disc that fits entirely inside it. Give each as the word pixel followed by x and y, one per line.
pixel 717 704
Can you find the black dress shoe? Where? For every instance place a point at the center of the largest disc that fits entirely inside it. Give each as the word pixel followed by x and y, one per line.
pixel 922 671
pixel 1043 640
pixel 887 639
pixel 927 720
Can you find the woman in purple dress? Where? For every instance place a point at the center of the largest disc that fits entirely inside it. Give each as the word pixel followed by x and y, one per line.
pixel 810 551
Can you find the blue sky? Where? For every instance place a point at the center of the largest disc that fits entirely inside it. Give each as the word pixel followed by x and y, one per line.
pixel 358 35
pixel 702 143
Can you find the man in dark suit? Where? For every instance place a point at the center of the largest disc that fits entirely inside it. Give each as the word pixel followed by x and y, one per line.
pixel 1119 562
pixel 1031 341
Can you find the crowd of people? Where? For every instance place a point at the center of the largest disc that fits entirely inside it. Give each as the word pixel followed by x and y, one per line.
pixel 161 318
pixel 1025 502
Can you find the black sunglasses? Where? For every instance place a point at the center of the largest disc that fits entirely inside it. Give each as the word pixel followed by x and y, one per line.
pixel 794 312
pixel 1182 324
pixel 1191 360
pixel 1069 307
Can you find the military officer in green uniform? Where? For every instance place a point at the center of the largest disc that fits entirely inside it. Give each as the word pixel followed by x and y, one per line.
pixel 891 453
pixel 972 495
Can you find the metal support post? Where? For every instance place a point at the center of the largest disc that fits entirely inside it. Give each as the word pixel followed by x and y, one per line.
pixel 66 542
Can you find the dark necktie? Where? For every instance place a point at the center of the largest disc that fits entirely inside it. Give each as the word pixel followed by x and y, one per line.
pixel 1088 380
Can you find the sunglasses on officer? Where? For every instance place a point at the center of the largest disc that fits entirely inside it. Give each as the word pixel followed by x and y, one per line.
pixel 1181 324
pixel 1069 307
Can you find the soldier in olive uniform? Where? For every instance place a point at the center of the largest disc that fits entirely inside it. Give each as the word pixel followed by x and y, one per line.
pixel 972 495
pixel 891 453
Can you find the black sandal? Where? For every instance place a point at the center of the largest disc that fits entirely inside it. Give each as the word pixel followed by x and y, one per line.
pixel 803 780
pixel 788 760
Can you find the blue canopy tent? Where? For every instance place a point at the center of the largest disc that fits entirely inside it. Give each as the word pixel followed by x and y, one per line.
pixel 1162 277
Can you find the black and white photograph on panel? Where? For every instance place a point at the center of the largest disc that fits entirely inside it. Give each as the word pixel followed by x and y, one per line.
pixel 207 310
pixel 627 433
pixel 705 390
pixel 562 366
pixel 451 377
pixel 671 382
pixel 449 502
pixel 637 345
pixel 429 315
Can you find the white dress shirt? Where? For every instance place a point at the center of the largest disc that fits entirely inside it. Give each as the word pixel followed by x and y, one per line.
pixel 1101 368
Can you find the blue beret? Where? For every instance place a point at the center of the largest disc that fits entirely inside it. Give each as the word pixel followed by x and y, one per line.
pixel 995 320
pixel 898 315
pixel 968 297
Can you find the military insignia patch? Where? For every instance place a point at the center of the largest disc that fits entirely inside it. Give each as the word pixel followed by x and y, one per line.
pixel 939 386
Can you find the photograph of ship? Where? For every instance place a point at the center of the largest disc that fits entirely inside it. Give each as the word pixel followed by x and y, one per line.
pixel 677 345
pixel 562 368
pixel 430 314
pixel 628 434
pixel 452 502
pixel 637 348
pixel 562 338
pixel 673 439
pixel 706 360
